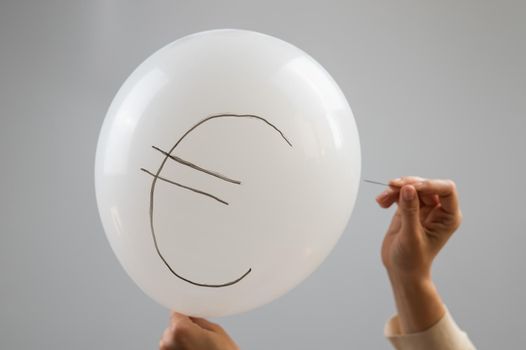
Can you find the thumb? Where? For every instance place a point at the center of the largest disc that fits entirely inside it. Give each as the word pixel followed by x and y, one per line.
pixel 409 208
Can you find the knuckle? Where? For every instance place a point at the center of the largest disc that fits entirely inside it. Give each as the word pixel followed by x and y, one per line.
pixel 408 179
pixel 459 218
pixel 454 223
pixel 405 179
pixel 218 327
pixel 451 184
pixel 425 184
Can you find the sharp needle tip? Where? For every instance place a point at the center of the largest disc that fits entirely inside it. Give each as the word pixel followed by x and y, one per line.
pixel 375 182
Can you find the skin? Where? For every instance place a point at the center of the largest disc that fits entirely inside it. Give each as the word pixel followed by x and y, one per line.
pixel 191 333
pixel 427 214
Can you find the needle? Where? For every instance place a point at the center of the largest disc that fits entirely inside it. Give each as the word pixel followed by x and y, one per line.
pixel 375 182
pixel 379 183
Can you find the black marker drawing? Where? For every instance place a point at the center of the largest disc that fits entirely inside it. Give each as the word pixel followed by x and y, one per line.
pixel 169 155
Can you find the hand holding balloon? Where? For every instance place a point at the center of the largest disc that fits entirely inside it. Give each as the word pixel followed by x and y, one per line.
pixel 428 213
pixel 191 333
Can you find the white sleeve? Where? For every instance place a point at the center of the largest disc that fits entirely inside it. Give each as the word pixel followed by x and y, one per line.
pixel 444 335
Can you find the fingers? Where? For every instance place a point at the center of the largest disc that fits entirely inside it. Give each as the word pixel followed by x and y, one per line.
pixel 388 197
pixel 428 200
pixel 430 192
pixel 177 317
pixel 446 191
pixel 391 194
pixel 405 180
pixel 166 343
pixel 194 333
pixel 209 326
pixel 409 205
pixel 180 320
pixel 180 331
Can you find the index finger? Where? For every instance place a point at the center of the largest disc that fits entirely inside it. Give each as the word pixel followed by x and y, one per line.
pixel 405 180
pixel 178 318
pixel 445 189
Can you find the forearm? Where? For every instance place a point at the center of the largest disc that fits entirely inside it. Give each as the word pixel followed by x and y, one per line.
pixel 418 303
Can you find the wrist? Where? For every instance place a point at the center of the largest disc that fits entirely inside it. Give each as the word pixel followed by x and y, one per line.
pixel 418 302
pixel 410 286
pixel 410 279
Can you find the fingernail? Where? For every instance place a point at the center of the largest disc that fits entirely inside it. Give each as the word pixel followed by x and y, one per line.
pixel 409 193
pixel 397 180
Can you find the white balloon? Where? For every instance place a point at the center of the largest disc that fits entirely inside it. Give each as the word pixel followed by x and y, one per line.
pixel 227 168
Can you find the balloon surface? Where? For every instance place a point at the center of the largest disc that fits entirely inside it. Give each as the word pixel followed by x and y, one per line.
pixel 227 168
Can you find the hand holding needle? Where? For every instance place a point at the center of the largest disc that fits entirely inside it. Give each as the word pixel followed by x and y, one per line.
pixel 392 193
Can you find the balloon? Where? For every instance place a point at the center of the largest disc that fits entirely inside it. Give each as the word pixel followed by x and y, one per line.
pixel 227 168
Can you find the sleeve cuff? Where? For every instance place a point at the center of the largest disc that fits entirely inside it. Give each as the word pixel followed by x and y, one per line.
pixel 444 335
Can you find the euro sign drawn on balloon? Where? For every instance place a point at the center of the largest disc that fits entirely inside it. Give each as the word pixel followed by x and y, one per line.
pixel 169 155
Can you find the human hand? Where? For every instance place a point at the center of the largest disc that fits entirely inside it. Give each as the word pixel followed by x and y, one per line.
pixel 428 213
pixel 192 333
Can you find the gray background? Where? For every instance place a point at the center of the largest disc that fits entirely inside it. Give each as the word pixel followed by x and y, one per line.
pixel 437 88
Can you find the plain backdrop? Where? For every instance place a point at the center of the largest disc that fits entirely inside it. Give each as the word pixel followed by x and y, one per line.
pixel 437 88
